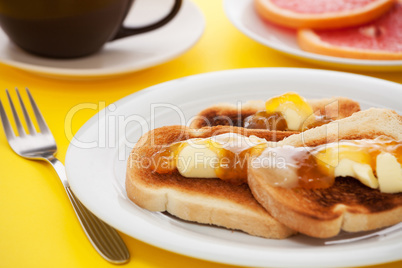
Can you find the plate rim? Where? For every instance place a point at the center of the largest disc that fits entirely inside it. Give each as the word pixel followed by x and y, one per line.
pixel 180 249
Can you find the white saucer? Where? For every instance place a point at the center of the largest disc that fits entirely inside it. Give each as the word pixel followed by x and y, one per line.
pixel 125 55
pixel 242 14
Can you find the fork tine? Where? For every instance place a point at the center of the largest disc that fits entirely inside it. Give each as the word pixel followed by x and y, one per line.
pixel 39 118
pixel 28 120
pixel 20 128
pixel 6 124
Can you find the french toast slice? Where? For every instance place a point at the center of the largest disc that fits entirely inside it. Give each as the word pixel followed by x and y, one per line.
pixel 202 200
pixel 346 205
pixel 227 114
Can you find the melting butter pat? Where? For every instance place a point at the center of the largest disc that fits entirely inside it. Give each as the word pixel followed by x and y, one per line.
pixel 344 168
pixel 295 109
pixel 362 172
pixel 389 173
pixel 201 158
pixel 293 119
pixel 197 161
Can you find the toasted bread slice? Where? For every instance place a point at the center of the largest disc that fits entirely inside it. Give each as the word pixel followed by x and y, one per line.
pixel 348 204
pixel 226 114
pixel 366 124
pixel 208 201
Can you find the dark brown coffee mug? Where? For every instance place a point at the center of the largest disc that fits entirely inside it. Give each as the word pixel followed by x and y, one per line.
pixel 69 28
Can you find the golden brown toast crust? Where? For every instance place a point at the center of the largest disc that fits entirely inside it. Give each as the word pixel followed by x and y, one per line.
pixel 230 115
pixel 366 124
pixel 348 204
pixel 210 201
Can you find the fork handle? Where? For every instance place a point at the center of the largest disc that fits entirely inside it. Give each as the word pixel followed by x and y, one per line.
pixel 104 238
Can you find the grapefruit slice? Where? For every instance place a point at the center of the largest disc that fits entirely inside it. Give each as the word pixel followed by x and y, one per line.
pixel 379 40
pixel 321 14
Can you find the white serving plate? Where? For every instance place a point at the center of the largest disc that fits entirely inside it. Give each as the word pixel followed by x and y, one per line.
pixel 96 165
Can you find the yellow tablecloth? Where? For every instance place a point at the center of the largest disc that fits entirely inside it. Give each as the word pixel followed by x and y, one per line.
pixel 38 227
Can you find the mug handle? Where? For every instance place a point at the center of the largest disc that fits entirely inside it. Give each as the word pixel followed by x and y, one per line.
pixel 128 31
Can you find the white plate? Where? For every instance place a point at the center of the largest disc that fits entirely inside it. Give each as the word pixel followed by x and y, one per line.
pixel 243 15
pixel 121 56
pixel 96 165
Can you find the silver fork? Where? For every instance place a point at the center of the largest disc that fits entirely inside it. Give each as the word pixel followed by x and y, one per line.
pixel 42 146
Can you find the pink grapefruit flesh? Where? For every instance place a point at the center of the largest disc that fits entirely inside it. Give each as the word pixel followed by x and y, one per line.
pixel 321 14
pixel 383 34
pixel 321 6
pixel 380 39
